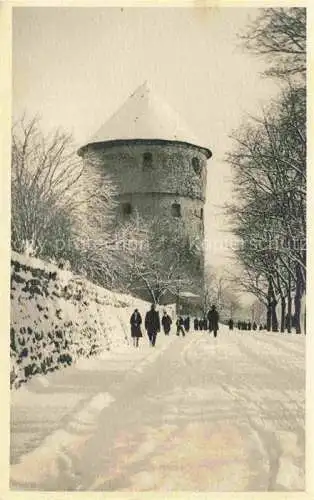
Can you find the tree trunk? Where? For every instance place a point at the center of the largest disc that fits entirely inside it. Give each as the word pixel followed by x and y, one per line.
pixel 303 314
pixel 289 312
pixel 297 300
pixel 268 318
pixel 283 305
pixel 274 320
pixel 283 314
pixel 297 313
pixel 269 308
pixel 178 303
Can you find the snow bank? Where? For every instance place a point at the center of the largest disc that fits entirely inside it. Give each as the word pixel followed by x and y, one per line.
pixel 57 317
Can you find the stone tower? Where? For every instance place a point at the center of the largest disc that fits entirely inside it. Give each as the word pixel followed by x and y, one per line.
pixel 158 166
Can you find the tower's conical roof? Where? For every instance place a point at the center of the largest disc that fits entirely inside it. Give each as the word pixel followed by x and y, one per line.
pixel 146 116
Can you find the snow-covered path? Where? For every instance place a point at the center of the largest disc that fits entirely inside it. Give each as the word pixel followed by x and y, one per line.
pixel 196 413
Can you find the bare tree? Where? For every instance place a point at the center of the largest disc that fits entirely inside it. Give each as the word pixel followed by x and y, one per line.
pixel 280 35
pixel 44 171
pixel 60 208
pixel 221 290
pixel 159 257
pixel 270 175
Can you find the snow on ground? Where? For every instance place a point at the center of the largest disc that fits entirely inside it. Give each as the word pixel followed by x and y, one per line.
pixel 58 318
pixel 195 413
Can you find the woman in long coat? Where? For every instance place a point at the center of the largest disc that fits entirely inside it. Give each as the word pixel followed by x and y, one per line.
pixel 166 322
pixel 136 321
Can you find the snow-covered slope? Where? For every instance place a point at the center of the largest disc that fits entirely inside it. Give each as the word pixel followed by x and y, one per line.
pixel 57 317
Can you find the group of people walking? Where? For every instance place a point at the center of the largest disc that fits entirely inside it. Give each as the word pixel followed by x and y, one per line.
pixel 153 324
pixel 209 322
pixel 246 325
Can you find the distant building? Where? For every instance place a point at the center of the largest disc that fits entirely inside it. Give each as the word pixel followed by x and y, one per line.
pixel 158 166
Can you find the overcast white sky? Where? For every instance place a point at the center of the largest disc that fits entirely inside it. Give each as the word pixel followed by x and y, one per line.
pixel 76 66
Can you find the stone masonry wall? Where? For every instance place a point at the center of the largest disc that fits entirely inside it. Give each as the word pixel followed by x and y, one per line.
pixel 57 317
pixel 160 204
pixel 171 169
pixel 175 173
pixel 172 177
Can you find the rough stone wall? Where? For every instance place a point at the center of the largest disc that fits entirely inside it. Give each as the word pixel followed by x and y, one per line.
pixel 160 204
pixel 171 178
pixel 175 173
pixel 172 168
pixel 57 317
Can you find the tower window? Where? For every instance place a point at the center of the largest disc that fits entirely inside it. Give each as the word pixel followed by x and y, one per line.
pixel 176 210
pixel 126 208
pixel 147 161
pixel 196 164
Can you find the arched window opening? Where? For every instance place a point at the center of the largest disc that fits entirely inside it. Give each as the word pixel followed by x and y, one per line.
pixel 126 208
pixel 147 161
pixel 196 164
pixel 176 210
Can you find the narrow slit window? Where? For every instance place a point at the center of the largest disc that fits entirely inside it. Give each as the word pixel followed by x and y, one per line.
pixel 126 208
pixel 196 164
pixel 176 210
pixel 147 161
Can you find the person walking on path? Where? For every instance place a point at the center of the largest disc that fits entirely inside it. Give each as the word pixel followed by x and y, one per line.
pixel 136 321
pixel 230 323
pixel 180 328
pixel 187 324
pixel 166 322
pixel 195 324
pixel 205 323
pixel 213 318
pixel 152 324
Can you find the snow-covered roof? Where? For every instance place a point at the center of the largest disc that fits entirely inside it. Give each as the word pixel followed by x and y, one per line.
pixel 146 116
pixel 188 295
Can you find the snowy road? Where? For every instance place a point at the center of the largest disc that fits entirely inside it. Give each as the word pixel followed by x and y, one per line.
pixel 196 413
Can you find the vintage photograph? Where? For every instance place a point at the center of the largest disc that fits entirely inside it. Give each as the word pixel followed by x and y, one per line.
pixel 158 249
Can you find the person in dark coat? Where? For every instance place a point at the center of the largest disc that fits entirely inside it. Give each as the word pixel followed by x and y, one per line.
pixel 213 318
pixel 254 326
pixel 136 321
pixel 260 327
pixel 180 326
pixel 239 325
pixel 230 323
pixel 200 324
pixel 187 324
pixel 249 325
pixel 166 322
pixel 205 323
pixel 195 324
pixel 152 324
